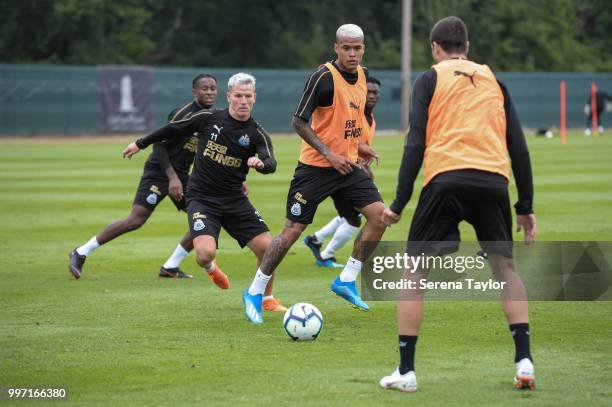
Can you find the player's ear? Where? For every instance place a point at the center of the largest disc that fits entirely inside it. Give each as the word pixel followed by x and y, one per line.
pixel 228 96
pixel 467 48
pixel 434 50
pixel 336 47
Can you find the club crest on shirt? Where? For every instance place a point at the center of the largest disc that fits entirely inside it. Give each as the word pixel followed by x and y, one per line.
pixel 244 140
pixel 152 199
pixel 198 225
pixel 296 209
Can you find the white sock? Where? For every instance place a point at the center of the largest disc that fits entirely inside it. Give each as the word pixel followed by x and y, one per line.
pixel 352 268
pixel 176 258
pixel 88 247
pixel 268 297
pixel 259 283
pixel 328 229
pixel 343 234
pixel 211 267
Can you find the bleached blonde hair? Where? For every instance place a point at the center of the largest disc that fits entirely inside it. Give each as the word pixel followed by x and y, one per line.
pixel 240 78
pixel 350 31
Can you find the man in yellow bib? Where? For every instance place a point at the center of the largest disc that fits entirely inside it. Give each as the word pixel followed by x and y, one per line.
pixel 465 131
pixel 334 98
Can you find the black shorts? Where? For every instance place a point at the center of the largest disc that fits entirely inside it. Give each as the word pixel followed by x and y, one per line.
pixel 153 188
pixel 235 214
pixel 346 210
pixel 311 185
pixel 443 205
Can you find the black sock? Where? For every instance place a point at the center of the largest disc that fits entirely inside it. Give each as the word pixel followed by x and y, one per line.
pixel 520 334
pixel 407 344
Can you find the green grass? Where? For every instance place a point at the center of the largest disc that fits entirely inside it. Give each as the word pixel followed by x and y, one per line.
pixel 122 336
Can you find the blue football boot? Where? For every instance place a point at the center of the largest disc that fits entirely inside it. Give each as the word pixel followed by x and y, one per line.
pixel 315 248
pixel 348 291
pixel 252 307
pixel 329 263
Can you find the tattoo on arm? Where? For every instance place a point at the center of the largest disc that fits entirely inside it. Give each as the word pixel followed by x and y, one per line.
pixel 304 130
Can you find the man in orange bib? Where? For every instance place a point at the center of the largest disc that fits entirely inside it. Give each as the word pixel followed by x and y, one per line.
pixel 343 227
pixel 335 98
pixel 465 130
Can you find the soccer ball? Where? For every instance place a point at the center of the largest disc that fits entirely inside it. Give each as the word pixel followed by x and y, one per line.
pixel 303 322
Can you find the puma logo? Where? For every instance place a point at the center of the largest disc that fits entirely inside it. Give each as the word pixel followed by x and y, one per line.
pixel 353 105
pixel 467 75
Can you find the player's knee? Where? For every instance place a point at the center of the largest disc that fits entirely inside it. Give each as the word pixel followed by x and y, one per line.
pixel 204 255
pixel 134 222
pixel 377 223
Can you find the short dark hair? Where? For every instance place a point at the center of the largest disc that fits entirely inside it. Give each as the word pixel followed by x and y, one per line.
pixel 201 76
pixel 451 34
pixel 372 79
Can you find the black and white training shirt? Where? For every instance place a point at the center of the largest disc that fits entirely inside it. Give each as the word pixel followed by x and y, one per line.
pixel 224 146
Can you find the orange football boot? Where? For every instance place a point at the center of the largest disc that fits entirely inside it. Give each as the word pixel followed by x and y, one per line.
pixel 219 278
pixel 273 304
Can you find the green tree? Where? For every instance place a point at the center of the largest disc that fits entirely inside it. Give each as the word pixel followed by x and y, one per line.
pixel 522 35
pixel 75 31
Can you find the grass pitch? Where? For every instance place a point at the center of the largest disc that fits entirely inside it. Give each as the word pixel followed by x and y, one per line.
pixel 123 336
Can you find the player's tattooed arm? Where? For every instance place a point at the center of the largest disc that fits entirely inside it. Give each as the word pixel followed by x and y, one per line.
pixel 303 129
pixel 265 152
pixel 340 163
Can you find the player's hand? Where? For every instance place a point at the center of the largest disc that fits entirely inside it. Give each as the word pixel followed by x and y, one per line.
pixel 528 224
pixel 364 163
pixel 255 162
pixel 367 154
pixel 130 150
pixel 341 164
pixel 245 189
pixel 390 217
pixel 175 188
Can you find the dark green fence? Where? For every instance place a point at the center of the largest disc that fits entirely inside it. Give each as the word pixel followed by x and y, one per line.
pixel 43 99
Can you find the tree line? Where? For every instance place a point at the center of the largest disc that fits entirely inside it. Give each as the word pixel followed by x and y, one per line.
pixel 519 35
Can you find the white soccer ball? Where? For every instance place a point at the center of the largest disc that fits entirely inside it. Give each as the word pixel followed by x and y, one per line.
pixel 303 322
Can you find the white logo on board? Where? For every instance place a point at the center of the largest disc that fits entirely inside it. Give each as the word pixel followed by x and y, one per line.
pixel 127 101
